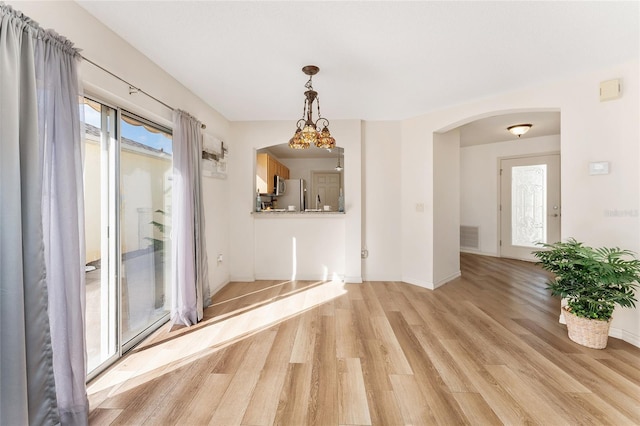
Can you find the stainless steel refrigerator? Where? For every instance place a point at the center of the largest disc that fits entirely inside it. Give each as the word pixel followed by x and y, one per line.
pixel 295 194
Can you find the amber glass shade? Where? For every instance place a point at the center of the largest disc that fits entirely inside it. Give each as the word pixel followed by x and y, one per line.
pixel 296 142
pixel 326 141
pixel 310 134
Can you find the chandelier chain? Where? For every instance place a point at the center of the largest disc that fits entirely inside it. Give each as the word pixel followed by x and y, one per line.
pixel 319 115
pixel 304 108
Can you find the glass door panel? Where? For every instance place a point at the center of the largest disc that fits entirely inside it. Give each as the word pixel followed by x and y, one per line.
pixel 101 304
pixel 145 221
pixel 529 205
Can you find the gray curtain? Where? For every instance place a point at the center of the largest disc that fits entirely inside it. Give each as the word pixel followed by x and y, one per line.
pixel 190 283
pixel 42 347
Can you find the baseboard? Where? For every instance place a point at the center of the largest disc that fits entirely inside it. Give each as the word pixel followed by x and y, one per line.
pixel 218 287
pixel 447 279
pixel 418 282
pixel 478 252
pixel 307 277
pixel 241 279
pixel 628 337
pixel 394 278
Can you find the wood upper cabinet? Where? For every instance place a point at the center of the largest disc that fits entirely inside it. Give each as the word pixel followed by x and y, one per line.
pixel 266 168
pixel 283 171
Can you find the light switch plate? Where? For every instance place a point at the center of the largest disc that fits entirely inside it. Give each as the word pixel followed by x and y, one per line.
pixel 599 168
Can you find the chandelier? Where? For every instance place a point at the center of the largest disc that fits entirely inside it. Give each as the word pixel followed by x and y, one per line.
pixel 307 132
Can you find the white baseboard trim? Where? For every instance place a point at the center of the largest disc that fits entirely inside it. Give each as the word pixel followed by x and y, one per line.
pixel 218 287
pixel 383 278
pixel 447 279
pixel 246 279
pixel 418 282
pixel 478 252
pixel 430 285
pixel 625 335
pixel 304 277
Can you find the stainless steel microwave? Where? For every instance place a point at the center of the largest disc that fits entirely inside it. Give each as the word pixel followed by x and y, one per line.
pixel 279 186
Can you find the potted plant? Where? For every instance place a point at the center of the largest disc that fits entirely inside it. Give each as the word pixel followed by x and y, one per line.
pixel 593 282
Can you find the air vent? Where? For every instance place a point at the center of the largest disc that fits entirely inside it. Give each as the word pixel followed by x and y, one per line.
pixel 469 236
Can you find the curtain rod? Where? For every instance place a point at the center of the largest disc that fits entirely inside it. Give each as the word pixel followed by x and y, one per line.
pixel 133 89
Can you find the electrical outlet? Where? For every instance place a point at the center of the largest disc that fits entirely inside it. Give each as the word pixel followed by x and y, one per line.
pixel 219 259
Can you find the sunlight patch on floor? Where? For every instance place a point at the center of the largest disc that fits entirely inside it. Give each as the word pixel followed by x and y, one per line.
pixel 156 360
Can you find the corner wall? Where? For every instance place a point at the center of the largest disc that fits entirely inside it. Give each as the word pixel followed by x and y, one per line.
pixel 446 207
pixel 381 217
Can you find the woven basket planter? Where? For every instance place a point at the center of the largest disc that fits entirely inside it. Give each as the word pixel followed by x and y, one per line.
pixel 587 332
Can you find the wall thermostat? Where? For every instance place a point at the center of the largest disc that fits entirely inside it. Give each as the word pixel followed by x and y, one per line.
pixel 599 168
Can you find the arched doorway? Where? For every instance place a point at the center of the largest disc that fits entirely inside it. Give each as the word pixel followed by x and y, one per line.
pixel 483 143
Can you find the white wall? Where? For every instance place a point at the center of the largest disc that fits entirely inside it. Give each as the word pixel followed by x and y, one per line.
pixel 106 48
pixel 479 184
pixel 591 131
pixel 446 207
pixel 250 136
pixel 416 204
pixel 299 247
pixel 381 191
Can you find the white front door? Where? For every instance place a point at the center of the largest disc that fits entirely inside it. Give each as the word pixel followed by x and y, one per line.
pixel 529 204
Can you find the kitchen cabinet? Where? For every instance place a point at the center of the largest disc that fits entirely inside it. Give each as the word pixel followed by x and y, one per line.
pixel 266 168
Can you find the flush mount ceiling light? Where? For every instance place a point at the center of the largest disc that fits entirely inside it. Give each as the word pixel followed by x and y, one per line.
pixel 307 132
pixel 519 129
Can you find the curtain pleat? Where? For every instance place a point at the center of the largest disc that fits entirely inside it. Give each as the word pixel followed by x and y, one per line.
pixel 190 286
pixel 42 347
pixel 63 219
pixel 27 387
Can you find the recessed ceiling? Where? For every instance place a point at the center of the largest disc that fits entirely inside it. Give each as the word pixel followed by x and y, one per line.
pixel 378 60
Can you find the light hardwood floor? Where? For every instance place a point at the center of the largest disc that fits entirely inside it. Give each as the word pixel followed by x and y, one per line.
pixel 484 349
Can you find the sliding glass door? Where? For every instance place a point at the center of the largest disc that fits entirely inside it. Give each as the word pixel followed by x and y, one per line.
pixel 128 167
pixel 145 221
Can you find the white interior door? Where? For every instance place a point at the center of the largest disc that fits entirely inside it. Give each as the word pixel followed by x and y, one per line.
pixel 529 204
pixel 327 186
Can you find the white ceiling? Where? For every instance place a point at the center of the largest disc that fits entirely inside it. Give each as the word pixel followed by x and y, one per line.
pixel 378 60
